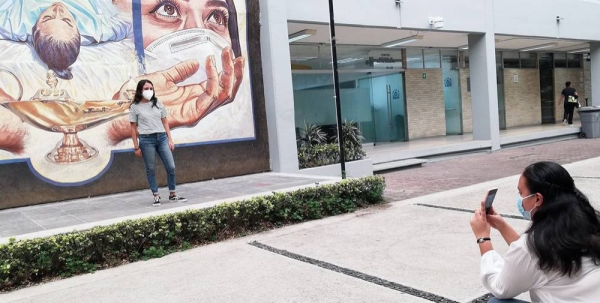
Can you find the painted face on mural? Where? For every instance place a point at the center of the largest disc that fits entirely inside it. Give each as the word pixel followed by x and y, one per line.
pixel 161 17
pixel 56 39
pixel 57 21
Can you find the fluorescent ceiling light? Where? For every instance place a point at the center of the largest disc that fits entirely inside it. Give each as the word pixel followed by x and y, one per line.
pixel 301 35
pixel 301 59
pixel 403 41
pixel 542 46
pixel 466 46
pixel 585 50
pixel 348 60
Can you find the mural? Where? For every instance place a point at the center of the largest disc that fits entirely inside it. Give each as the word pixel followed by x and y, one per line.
pixel 68 70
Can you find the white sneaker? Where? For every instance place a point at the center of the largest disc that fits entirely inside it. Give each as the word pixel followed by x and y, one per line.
pixel 177 198
pixel 565 122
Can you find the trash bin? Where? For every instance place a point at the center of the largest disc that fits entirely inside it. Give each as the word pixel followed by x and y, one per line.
pixel 590 122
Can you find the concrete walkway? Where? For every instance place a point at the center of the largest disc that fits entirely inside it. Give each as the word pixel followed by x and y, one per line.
pixel 416 250
pixel 54 218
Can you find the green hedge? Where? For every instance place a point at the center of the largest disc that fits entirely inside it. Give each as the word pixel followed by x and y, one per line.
pixel 327 154
pixel 27 261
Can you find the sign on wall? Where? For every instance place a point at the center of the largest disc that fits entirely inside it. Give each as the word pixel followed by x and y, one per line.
pixel 387 59
pixel 69 70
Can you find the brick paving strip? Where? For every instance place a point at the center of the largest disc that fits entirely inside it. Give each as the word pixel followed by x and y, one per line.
pixel 356 274
pixel 456 172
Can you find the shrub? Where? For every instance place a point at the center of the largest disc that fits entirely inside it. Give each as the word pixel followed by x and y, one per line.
pixel 319 153
pixel 311 135
pixel 26 261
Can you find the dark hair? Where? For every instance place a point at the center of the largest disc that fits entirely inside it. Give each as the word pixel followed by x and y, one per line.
pixel 568 84
pixel 138 93
pixel 57 54
pixel 565 227
pixel 234 33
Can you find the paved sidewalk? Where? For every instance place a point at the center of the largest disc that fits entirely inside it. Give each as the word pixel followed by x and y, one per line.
pixel 464 170
pixel 417 250
pixel 80 214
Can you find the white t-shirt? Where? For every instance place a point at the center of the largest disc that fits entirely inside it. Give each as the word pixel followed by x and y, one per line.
pixel 148 117
pixel 519 272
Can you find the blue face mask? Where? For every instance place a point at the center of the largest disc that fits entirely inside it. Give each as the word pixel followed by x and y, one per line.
pixel 524 213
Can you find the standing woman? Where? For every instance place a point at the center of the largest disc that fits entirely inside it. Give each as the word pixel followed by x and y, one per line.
pixel 148 118
pixel 558 258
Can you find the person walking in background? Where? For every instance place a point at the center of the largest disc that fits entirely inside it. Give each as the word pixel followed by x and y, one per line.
pixel 148 118
pixel 558 258
pixel 568 97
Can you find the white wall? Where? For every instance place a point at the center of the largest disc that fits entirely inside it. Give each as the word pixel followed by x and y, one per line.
pixel 385 13
pixel 536 18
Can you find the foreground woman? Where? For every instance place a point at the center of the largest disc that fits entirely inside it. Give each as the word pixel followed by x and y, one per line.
pixel 558 258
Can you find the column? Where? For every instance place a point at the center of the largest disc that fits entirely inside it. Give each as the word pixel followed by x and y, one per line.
pixel 595 73
pixel 278 87
pixel 484 90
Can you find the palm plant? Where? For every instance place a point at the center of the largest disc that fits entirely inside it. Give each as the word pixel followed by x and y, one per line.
pixel 311 135
pixel 352 135
pixel 352 141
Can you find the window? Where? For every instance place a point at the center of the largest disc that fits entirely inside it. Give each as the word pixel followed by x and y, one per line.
pixel 560 60
pixel 529 60
pixel 432 58
pixel 414 58
pixel 511 60
pixel 574 60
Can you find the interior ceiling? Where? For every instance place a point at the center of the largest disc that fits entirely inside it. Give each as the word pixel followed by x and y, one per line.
pixel 372 38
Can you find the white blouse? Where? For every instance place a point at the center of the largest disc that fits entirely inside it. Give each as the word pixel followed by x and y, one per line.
pixel 519 272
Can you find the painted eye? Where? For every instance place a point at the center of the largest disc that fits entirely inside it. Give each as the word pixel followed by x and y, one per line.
pixel 167 10
pixel 218 18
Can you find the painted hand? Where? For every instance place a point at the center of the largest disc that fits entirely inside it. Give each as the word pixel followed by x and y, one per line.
pixel 187 105
pixel 5 97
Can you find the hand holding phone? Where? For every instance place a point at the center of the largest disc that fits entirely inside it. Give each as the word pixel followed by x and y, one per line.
pixel 489 198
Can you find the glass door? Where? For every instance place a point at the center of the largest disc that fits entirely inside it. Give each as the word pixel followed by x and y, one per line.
pixel 452 95
pixel 547 87
pixel 389 108
pixel 500 83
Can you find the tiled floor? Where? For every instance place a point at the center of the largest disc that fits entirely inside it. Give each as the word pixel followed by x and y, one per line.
pixel 38 218
pixel 381 150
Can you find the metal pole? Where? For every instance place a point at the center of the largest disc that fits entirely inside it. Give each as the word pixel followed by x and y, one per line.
pixel 336 85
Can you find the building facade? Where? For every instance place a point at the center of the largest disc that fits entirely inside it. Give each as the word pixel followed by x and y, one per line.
pixel 416 69
pixel 409 70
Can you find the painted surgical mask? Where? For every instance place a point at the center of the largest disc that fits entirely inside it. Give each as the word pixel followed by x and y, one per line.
pixel 176 47
pixel 524 213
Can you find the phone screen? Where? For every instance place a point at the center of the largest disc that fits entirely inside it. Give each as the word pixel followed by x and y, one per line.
pixel 489 199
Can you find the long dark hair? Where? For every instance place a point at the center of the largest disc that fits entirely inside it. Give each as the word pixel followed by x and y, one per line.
pixel 565 227
pixel 138 93
pixel 234 33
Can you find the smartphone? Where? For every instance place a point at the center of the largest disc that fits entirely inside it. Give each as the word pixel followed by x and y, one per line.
pixel 489 198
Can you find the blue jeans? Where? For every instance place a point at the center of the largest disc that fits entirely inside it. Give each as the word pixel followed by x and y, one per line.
pixel 150 145
pixel 494 300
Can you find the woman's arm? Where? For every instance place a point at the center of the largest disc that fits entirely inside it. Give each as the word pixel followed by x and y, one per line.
pixel 168 131
pixel 134 136
pixel 517 273
pixel 508 233
pixel 497 222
